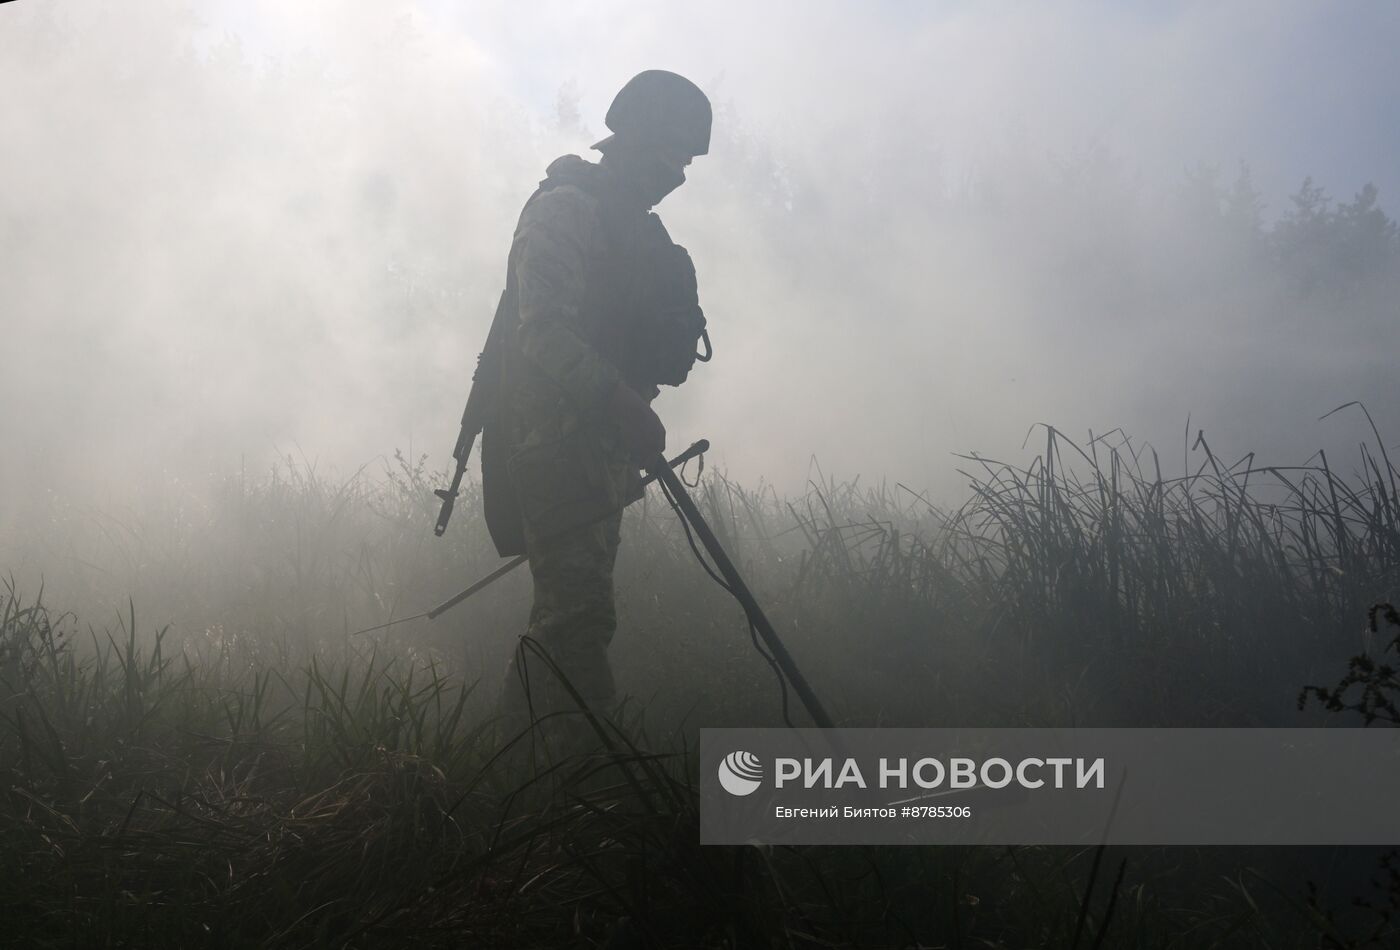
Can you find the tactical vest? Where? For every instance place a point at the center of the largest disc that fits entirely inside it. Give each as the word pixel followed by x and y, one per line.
pixel 635 278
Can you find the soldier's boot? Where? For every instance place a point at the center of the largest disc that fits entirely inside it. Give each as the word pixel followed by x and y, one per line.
pixel 555 701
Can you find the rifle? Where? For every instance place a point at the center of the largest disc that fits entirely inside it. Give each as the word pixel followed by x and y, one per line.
pixel 481 403
pixel 697 449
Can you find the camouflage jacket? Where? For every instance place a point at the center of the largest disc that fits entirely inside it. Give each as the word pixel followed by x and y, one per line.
pixel 580 269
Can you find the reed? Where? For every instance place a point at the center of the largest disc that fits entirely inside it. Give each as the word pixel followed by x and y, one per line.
pixel 244 772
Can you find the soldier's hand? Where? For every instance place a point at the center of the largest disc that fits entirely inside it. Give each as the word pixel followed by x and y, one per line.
pixel 642 432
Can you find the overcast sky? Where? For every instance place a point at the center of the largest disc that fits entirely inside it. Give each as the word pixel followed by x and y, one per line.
pixel 234 229
pixel 1296 88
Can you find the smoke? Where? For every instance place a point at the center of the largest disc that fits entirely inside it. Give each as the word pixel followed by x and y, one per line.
pixel 235 231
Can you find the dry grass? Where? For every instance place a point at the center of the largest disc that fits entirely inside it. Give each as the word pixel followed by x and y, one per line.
pixel 257 777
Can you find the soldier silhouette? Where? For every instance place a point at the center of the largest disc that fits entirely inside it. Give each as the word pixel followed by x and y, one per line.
pixel 601 309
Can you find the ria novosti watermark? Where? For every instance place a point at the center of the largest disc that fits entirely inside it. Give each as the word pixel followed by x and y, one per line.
pixel 1044 786
pixel 928 772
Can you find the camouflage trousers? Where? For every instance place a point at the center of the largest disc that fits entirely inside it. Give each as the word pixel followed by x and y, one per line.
pixel 571 622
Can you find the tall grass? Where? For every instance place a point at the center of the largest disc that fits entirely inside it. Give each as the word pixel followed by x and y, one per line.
pixel 247 771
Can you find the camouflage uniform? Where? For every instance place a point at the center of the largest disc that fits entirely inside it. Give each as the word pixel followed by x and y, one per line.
pixel 578 253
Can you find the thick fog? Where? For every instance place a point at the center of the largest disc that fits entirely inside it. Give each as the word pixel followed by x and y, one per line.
pixel 235 231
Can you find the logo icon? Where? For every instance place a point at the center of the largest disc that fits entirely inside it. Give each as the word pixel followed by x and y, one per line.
pixel 740 773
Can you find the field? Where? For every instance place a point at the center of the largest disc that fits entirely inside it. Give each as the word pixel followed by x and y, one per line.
pixel 247 769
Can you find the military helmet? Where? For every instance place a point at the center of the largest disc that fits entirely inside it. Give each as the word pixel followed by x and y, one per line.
pixel 657 106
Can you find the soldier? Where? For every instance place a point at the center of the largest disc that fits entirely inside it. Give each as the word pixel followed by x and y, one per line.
pixel 604 309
